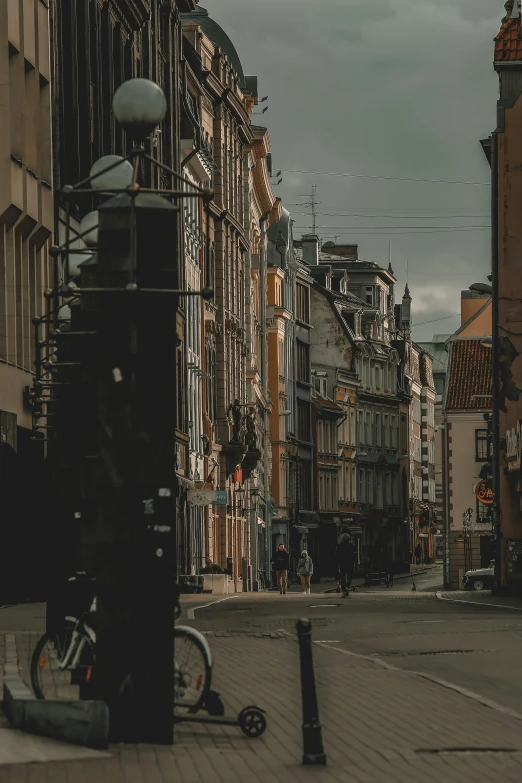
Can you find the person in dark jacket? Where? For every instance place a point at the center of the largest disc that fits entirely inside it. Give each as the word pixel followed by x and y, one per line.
pixel 345 561
pixel 281 564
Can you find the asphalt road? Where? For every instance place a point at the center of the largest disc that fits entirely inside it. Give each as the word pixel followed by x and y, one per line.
pixel 472 646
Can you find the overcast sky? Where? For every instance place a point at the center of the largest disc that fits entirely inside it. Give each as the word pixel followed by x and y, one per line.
pixel 387 88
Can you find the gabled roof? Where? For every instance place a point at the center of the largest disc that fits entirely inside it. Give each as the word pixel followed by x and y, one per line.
pixel 470 376
pixel 508 43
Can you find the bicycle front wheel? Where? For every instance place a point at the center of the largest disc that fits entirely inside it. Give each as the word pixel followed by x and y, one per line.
pixel 63 664
pixel 192 670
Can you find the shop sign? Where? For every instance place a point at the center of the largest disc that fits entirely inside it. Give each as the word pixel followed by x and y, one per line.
pixel 484 493
pixel 513 447
pixel 206 497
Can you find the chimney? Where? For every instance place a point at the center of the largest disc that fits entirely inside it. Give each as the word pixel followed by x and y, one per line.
pixel 470 304
pixel 310 249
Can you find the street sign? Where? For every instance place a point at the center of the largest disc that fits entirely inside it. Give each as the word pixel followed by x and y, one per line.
pixel 484 493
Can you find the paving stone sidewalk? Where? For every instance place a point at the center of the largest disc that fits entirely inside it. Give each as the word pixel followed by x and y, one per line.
pixel 380 725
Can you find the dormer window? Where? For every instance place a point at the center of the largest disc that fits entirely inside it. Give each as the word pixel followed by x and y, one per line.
pixel 369 295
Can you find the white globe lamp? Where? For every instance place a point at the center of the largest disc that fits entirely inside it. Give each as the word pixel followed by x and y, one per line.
pixel 118 178
pixel 89 229
pixel 139 105
pixel 75 259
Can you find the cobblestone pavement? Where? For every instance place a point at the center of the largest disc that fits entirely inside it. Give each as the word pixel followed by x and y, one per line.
pixel 380 723
pixel 374 728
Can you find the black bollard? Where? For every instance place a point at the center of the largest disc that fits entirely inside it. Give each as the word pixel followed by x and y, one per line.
pixel 313 751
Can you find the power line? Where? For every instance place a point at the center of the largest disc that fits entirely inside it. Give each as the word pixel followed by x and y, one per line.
pixel 386 228
pixel 367 230
pixel 394 179
pixel 436 320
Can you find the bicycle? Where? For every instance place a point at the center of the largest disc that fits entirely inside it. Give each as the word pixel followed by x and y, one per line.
pixel 63 664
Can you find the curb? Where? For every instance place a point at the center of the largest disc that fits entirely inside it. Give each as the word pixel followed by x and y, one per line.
pixel 78 722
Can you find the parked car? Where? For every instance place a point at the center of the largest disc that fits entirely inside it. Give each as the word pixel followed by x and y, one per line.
pixel 480 578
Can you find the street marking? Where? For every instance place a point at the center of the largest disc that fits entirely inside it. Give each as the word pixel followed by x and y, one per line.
pixel 321 606
pixel 190 612
pixel 432 678
pixel 328 641
pixel 475 603
pixel 416 622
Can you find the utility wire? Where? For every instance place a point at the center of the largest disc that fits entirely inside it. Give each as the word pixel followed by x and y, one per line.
pixel 394 179
pixel 375 232
pixel 436 320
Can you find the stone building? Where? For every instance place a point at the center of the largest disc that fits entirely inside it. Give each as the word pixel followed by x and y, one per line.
pixel 26 228
pixel 376 368
pixel 466 445
pixel 234 402
pixel 289 337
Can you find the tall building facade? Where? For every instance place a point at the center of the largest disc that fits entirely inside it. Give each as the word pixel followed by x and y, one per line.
pixel 504 153
pixel 26 229
pixel 231 370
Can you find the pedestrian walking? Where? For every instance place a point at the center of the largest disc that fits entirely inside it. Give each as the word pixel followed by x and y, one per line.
pixel 305 569
pixel 281 564
pixel 345 561
pixel 418 554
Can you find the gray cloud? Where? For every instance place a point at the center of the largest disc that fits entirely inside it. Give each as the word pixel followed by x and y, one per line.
pixel 391 88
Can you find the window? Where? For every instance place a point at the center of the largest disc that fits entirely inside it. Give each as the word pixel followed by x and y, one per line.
pixel 362 486
pixel 328 490
pixel 281 356
pixel 303 421
pixel 354 485
pixel 378 430
pixel 369 488
pixel 386 429
pixel 302 303
pixel 431 452
pixel 283 490
pixel 393 431
pixel 369 295
pixel 482 450
pixel 483 512
pixel 404 433
pixel 388 499
pixel 352 440
pixel 367 429
pixel 303 362
pixel 378 481
pixel 305 484
pixel 431 490
pixel 320 386
pixel 377 377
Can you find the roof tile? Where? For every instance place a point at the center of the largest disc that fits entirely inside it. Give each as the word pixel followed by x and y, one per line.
pixel 469 381
pixel 508 43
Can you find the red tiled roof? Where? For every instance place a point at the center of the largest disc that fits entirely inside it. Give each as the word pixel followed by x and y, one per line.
pixel 469 375
pixel 508 44
pixel 327 405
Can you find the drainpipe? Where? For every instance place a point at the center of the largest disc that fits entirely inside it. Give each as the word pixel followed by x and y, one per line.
pixel 495 418
pixel 446 504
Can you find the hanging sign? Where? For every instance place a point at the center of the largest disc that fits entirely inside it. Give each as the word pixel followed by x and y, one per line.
pixel 484 493
pixel 513 447
pixel 207 497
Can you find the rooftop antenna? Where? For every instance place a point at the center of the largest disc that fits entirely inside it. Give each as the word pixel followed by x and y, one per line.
pixel 313 204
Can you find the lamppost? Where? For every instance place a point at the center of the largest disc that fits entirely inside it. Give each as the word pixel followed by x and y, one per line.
pixel 123 315
pixel 466 528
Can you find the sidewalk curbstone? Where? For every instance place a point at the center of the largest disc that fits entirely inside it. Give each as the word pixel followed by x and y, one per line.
pixel 78 722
